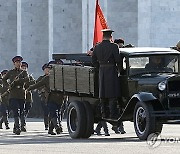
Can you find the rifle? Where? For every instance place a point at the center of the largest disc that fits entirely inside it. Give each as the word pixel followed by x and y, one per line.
pixel 10 86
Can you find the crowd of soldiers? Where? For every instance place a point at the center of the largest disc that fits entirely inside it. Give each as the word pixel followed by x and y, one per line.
pixel 16 87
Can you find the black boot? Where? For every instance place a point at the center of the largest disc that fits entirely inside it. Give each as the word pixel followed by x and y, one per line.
pixel 6 122
pixel 121 128
pixel 115 129
pixel 1 121
pixel 46 122
pixel 16 129
pixel 23 123
pixel 56 126
pixel 51 127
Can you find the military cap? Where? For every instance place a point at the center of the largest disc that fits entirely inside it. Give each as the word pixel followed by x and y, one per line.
pixel 119 41
pixel 4 72
pixel 59 61
pixel 24 64
pixel 178 45
pixel 17 58
pixel 107 30
pixel 45 66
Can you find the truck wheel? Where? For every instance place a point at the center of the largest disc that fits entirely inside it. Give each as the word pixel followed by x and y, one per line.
pixel 144 123
pixel 89 120
pixel 76 119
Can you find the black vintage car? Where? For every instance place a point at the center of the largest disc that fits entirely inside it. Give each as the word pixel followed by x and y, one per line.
pixel 150 90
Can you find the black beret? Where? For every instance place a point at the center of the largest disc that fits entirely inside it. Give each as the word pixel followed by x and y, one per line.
pixel 24 64
pixel 45 66
pixel 4 72
pixel 119 41
pixel 17 58
pixel 59 61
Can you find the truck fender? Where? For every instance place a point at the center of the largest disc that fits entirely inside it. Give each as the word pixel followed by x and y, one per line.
pixel 141 97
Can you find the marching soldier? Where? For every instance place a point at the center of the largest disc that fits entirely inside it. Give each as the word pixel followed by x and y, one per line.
pixel 28 100
pixel 54 100
pixel 4 104
pixel 43 96
pixel 16 79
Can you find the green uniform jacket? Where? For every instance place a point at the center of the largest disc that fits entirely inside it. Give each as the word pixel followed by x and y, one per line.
pixel 29 93
pixel 17 89
pixel 53 96
pixel 5 99
pixel 42 91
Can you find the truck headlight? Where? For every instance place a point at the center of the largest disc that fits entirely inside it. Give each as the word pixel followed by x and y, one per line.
pixel 162 85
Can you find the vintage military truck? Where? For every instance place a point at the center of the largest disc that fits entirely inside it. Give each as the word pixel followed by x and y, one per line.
pixel 150 97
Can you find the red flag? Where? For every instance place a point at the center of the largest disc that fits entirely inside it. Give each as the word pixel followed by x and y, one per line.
pixel 100 23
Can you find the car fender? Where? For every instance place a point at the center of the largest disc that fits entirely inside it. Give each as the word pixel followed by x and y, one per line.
pixel 141 97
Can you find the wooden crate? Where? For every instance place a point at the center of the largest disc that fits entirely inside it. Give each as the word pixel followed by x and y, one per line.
pixel 85 80
pixel 52 79
pixel 69 78
pixel 59 78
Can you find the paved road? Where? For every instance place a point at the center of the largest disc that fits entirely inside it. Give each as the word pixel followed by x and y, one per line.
pixel 36 141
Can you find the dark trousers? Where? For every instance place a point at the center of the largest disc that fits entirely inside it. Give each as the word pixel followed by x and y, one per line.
pixel 28 106
pixel 4 114
pixel 100 125
pixel 54 110
pixel 109 107
pixel 45 113
pixel 17 106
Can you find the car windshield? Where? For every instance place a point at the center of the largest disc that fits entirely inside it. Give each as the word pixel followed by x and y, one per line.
pixel 153 64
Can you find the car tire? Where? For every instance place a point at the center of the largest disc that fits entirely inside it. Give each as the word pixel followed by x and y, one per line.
pixel 144 123
pixel 76 119
pixel 89 120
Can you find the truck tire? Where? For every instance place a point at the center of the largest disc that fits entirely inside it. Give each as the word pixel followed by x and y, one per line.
pixel 89 120
pixel 144 123
pixel 76 119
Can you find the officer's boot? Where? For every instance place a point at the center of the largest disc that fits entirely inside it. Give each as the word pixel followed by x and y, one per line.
pixel 16 129
pixel 46 122
pixel 6 122
pixel 98 128
pixel 115 129
pixel 60 126
pixel 1 121
pixel 121 128
pixel 23 123
pixel 56 126
pixel 106 131
pixel 51 127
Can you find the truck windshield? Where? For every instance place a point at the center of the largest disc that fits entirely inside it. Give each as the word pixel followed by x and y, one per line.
pixel 153 64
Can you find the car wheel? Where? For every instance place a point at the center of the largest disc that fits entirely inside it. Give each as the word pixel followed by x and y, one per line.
pixel 144 123
pixel 89 120
pixel 76 119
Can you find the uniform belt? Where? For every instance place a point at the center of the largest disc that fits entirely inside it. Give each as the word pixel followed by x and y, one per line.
pixel 18 87
pixel 106 65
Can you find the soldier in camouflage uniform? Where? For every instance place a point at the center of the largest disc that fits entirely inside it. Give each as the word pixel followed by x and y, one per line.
pixel 4 103
pixel 28 100
pixel 54 101
pixel 16 79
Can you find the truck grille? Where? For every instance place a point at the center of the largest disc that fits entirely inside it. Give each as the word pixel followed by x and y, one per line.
pixel 174 92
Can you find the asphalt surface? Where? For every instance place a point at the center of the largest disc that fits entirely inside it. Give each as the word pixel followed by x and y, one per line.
pixel 36 140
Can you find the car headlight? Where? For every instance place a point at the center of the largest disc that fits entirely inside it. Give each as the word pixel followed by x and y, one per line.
pixel 162 85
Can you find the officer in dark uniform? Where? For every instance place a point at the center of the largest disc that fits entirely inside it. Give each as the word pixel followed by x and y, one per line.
pixel 54 101
pixel 16 79
pixel 4 103
pixel 43 96
pixel 28 100
pixel 106 56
